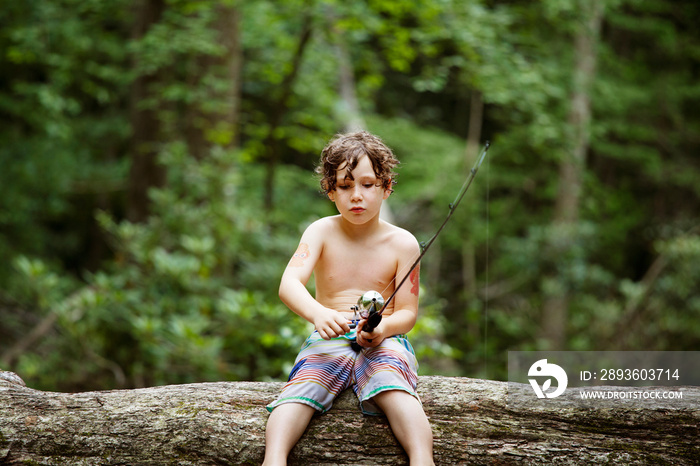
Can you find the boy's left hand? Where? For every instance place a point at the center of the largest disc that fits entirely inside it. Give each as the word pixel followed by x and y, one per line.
pixel 370 340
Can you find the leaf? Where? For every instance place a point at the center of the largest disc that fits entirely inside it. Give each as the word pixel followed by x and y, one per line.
pixel 545 386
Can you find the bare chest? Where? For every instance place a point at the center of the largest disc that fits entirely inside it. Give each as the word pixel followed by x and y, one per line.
pixel 346 267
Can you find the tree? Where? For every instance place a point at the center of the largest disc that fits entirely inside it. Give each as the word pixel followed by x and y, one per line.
pixel 182 88
pixel 572 168
pixel 181 302
pixel 144 170
pixel 62 98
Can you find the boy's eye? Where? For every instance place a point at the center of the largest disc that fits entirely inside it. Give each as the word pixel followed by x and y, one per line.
pixel 345 187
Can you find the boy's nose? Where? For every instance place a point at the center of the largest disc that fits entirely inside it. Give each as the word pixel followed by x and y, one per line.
pixel 356 193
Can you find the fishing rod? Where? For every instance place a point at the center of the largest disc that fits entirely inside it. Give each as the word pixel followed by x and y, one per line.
pixel 371 305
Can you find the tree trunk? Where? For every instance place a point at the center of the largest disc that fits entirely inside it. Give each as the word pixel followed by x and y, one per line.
pixel 349 111
pixel 280 108
pixel 572 167
pixel 471 152
pixel 224 423
pixel 145 171
pixel 476 118
pixel 213 119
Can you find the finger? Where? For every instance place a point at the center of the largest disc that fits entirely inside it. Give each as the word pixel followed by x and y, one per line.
pixel 336 329
pixel 345 325
pixel 368 344
pixel 360 324
pixel 368 331
pixel 367 336
pixel 364 341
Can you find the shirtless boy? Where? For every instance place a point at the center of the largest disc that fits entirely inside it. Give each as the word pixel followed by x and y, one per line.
pixel 352 253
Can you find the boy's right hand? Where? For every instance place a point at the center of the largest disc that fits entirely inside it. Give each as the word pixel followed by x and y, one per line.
pixel 330 323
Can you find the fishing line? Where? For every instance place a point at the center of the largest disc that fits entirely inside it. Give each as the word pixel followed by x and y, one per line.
pixel 373 305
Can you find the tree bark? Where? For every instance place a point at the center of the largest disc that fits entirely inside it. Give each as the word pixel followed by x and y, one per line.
pixel 224 423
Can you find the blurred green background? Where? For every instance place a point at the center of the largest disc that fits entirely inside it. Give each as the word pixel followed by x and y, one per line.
pixel 156 172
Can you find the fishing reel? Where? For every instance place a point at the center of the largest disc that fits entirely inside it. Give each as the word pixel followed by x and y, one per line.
pixel 369 307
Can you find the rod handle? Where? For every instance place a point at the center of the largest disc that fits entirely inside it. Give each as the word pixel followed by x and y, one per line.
pixel 372 322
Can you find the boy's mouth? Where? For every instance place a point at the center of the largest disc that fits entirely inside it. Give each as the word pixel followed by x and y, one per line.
pixel 357 210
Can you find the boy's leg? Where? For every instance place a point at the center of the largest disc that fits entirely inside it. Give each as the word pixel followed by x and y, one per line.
pixel 322 370
pixel 285 426
pixel 409 424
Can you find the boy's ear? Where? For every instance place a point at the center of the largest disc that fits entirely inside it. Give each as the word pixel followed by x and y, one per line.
pixel 388 189
pixel 331 195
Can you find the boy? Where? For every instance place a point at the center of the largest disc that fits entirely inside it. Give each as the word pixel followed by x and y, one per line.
pixel 352 253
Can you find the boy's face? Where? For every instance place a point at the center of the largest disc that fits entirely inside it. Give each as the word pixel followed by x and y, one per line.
pixel 359 197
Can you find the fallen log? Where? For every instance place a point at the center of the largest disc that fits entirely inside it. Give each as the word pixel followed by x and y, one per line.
pixel 224 423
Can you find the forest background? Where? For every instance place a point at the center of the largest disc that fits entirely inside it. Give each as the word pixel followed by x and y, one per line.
pixel 156 172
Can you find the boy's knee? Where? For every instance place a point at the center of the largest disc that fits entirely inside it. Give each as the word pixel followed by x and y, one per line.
pixel 397 397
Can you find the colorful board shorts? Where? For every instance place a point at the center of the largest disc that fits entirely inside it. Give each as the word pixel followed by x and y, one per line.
pixel 324 368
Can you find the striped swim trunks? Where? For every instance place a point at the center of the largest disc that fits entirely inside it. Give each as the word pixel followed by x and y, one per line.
pixel 324 368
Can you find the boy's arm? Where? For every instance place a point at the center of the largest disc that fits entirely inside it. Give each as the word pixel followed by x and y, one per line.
pixel 405 301
pixel 328 322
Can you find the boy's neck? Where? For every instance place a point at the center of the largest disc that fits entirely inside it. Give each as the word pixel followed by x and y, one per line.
pixel 360 230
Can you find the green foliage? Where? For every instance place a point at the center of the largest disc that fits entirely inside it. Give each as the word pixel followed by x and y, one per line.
pixel 62 83
pixel 190 293
pixel 184 299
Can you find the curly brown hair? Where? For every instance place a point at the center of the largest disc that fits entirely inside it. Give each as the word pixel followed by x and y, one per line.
pixel 349 148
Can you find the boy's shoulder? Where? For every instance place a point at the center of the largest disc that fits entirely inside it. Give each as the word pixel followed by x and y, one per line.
pixel 323 225
pixel 399 238
pixel 320 230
